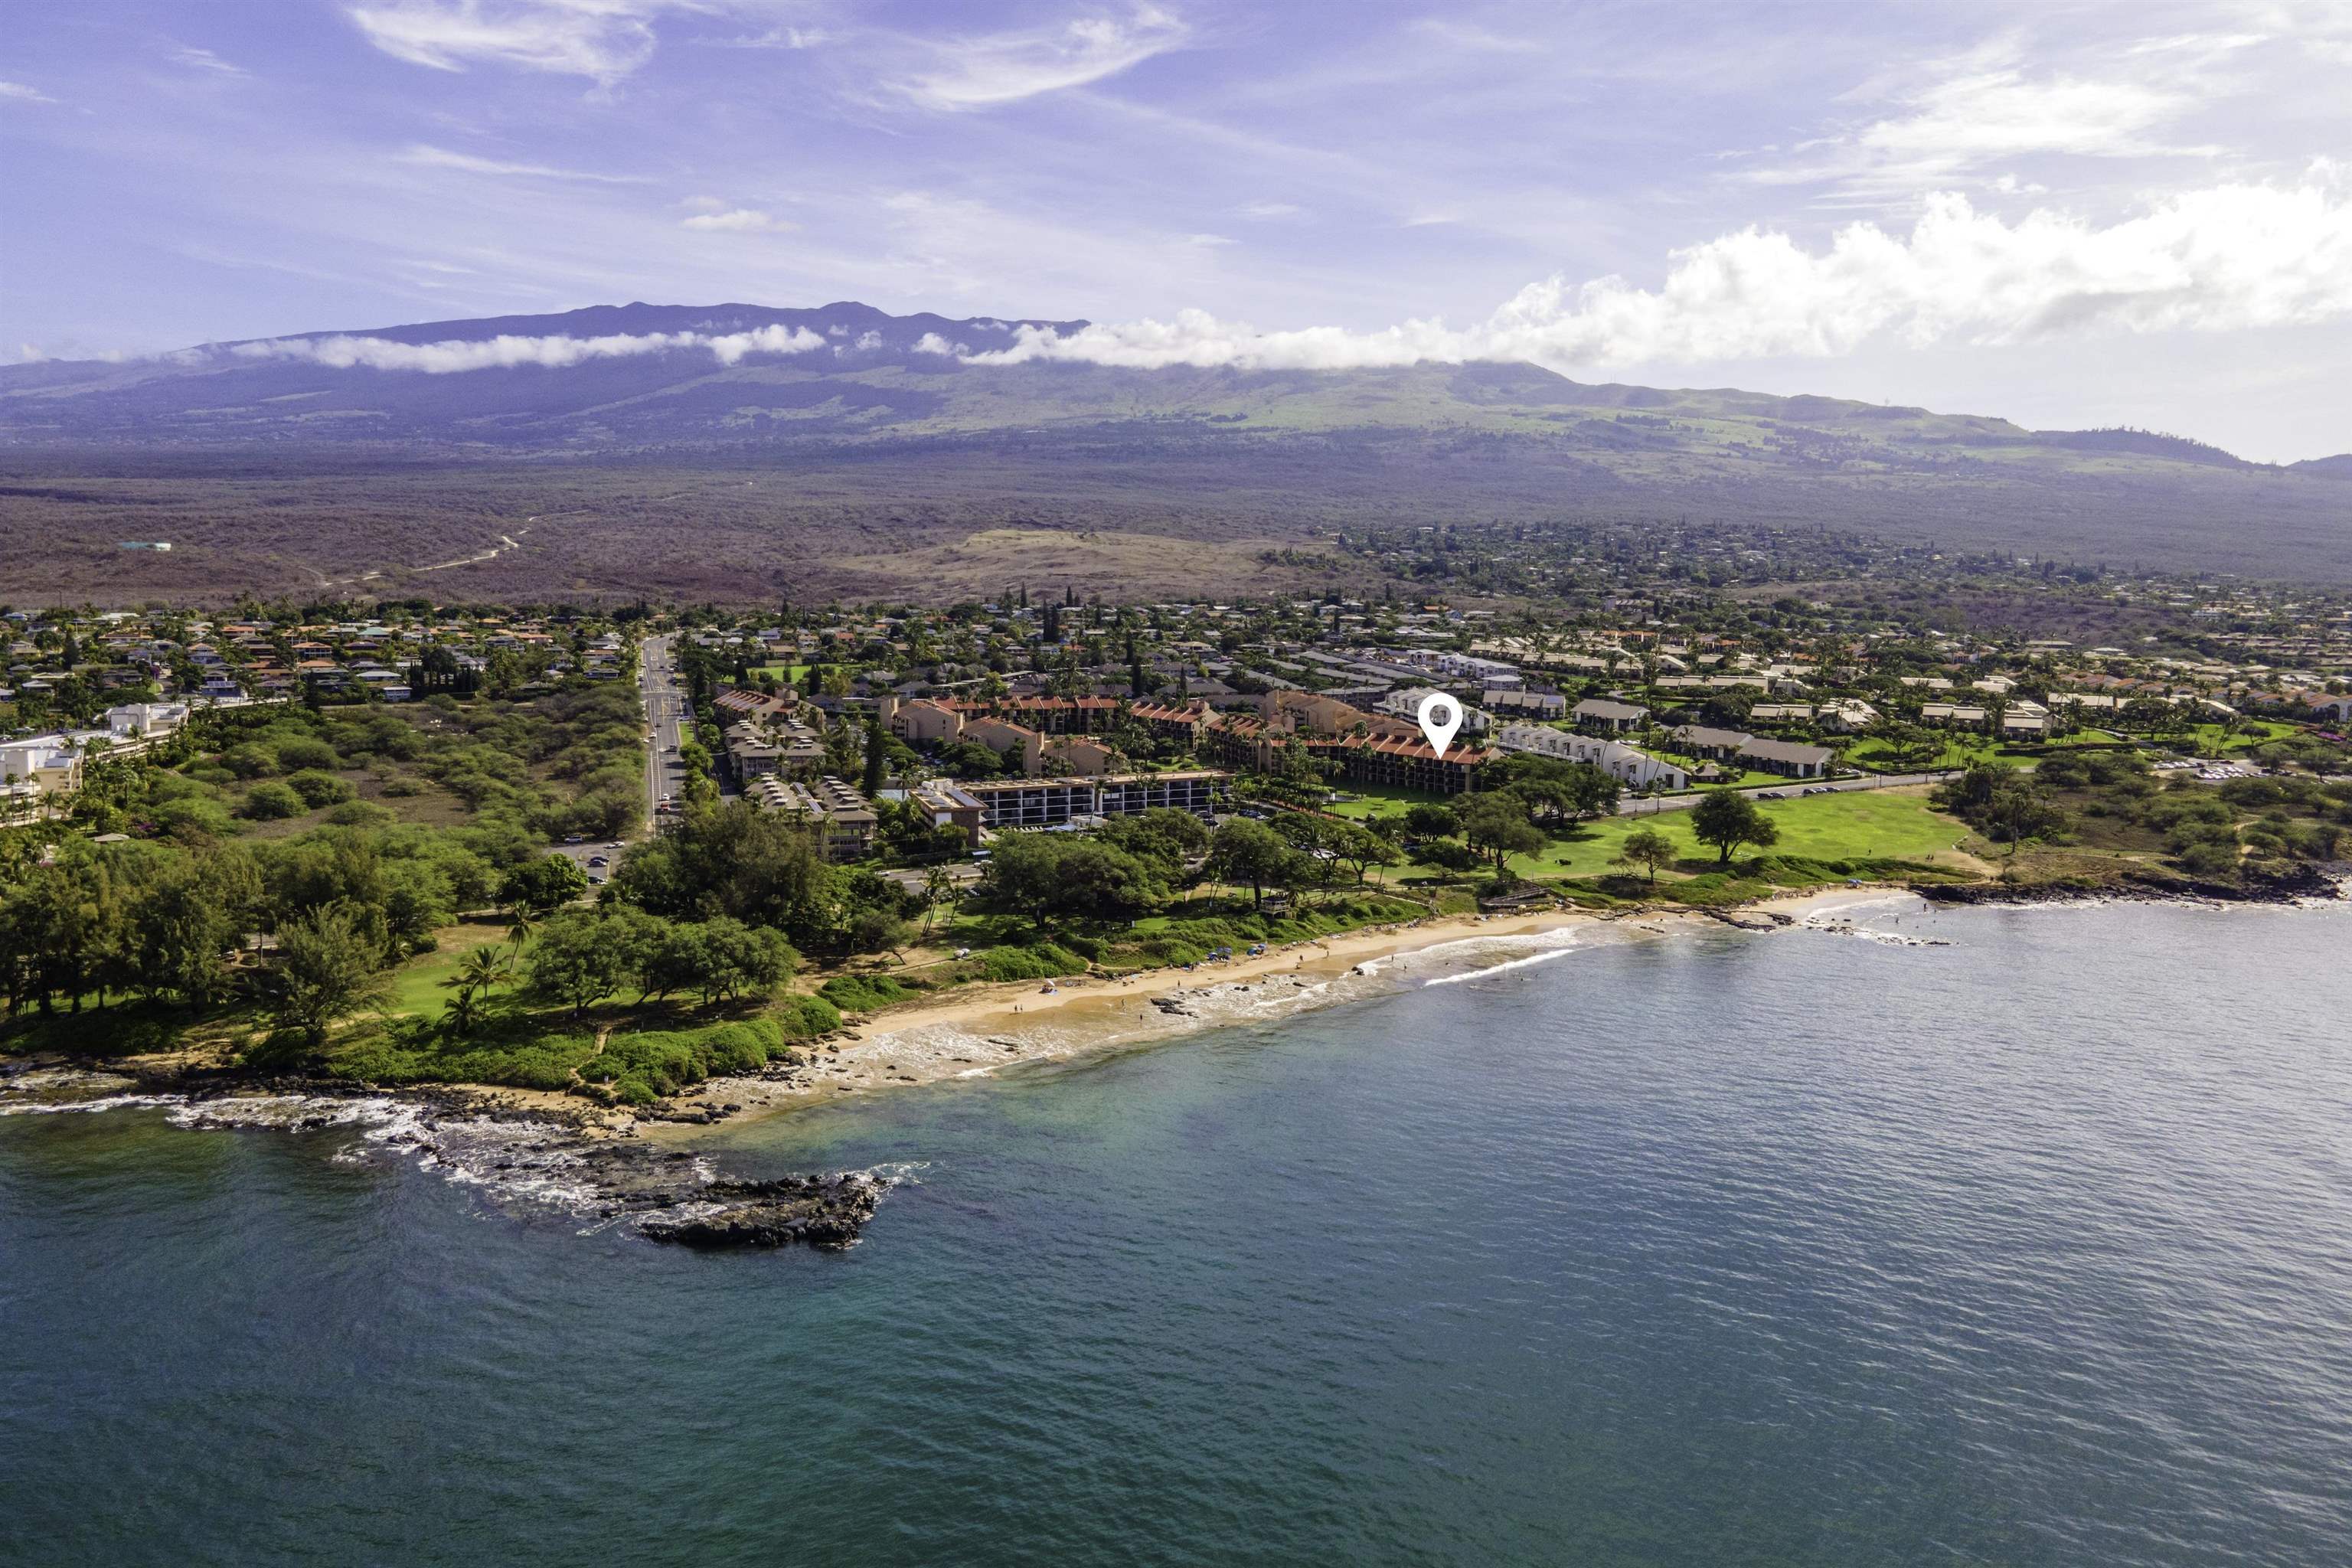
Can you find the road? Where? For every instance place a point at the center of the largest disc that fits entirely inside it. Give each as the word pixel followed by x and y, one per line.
pixel 665 701
pixel 667 716
pixel 1633 806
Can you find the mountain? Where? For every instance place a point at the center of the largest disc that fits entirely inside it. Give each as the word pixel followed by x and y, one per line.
pixel 808 438
pixel 2339 466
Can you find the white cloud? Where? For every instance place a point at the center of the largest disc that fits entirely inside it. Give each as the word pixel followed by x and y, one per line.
pixel 778 38
pixel 740 220
pixel 2228 256
pixel 1269 209
pixel 507 352
pixel 933 343
pixel 1209 239
pixel 2001 113
pixel 431 157
pixel 601 39
pixel 204 59
pixel 18 92
pixel 979 73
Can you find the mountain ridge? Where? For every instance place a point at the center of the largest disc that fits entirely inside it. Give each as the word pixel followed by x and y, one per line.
pixel 875 376
pixel 709 464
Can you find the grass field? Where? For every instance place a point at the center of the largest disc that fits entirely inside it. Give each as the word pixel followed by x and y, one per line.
pixel 2208 740
pixel 1361 801
pixel 1850 825
pixel 1962 751
pixel 416 984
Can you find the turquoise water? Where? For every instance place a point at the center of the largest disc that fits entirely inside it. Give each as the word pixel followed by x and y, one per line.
pixel 1698 1249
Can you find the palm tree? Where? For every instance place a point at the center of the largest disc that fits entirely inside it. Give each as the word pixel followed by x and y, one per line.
pixel 521 923
pixel 939 886
pixel 479 971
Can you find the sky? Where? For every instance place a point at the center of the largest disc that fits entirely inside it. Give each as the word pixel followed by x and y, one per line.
pixel 2067 215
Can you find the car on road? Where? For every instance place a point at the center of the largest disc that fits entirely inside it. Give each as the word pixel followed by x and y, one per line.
pixel 599 860
pixel 575 839
pixel 617 844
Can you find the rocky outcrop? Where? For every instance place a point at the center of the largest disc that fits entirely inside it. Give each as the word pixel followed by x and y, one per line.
pixel 822 1211
pixel 2285 885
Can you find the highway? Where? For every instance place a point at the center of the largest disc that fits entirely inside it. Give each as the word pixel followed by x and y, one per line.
pixel 666 716
pixel 665 702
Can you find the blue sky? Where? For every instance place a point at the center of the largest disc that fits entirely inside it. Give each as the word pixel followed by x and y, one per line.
pixel 2069 215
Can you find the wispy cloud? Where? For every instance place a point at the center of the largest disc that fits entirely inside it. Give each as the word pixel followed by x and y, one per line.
pixel 205 60
pixel 1990 106
pixel 736 220
pixel 17 92
pixel 510 351
pixel 430 157
pixel 604 40
pixel 777 38
pixel 1005 67
pixel 2228 256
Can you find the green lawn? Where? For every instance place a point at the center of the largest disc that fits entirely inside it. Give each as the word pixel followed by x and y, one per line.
pixel 1361 801
pixel 416 984
pixel 2208 739
pixel 790 674
pixel 1963 749
pixel 1857 824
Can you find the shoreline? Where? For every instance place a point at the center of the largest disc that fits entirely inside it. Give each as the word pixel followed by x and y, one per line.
pixel 552 1151
pixel 982 1032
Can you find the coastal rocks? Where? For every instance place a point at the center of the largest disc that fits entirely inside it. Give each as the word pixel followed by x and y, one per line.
pixel 2287 885
pixel 1750 919
pixel 824 1211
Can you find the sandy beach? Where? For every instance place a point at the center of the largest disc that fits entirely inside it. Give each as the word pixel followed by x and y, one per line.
pixel 983 1030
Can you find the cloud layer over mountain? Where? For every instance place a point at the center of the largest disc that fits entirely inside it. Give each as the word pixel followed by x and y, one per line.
pixel 2226 258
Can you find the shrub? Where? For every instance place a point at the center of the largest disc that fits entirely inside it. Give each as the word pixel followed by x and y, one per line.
pixel 1044 960
pixel 864 993
pixel 302 753
pixel 271 802
pixel 804 1017
pixel 636 1069
pixel 318 788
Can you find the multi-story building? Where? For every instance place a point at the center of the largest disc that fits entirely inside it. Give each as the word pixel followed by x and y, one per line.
pixel 845 819
pixel 1052 802
pixel 1629 765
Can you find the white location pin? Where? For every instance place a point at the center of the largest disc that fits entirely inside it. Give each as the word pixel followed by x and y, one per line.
pixel 1440 716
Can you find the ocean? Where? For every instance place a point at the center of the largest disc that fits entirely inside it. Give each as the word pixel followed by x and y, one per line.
pixel 2014 1236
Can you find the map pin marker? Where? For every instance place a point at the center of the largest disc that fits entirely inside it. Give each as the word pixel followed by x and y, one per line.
pixel 1440 717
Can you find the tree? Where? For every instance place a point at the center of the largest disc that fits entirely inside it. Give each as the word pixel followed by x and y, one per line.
pixel 740 962
pixel 1246 851
pixel 1647 847
pixel 1360 849
pixel 877 754
pixel 581 957
pixel 1431 819
pixel 477 974
pixel 1043 875
pixel 1728 820
pixel 541 887
pixel 939 888
pixel 328 965
pixel 1496 826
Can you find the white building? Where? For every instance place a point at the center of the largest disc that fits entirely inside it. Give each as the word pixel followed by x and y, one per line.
pixel 1629 765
